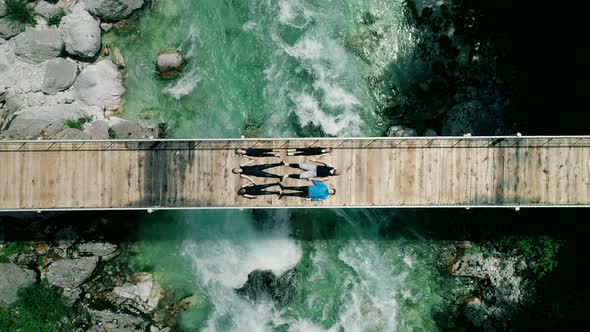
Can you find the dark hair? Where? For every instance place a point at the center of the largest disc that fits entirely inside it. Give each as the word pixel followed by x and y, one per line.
pixel 334 191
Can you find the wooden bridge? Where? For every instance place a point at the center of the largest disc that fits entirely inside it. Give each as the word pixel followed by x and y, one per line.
pixel 511 171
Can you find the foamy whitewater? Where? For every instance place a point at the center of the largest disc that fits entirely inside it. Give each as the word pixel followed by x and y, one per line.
pixel 281 68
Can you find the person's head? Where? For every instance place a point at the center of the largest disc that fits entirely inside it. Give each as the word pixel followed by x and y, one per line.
pixel 332 191
pixel 236 170
pixel 240 151
pixel 328 150
pixel 336 171
pixel 241 191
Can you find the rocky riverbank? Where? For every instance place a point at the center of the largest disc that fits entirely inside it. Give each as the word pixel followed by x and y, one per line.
pixel 88 272
pixel 58 80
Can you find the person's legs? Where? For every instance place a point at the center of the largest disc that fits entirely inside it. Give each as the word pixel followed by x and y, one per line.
pixel 293 194
pixel 310 171
pixel 257 170
pixel 259 189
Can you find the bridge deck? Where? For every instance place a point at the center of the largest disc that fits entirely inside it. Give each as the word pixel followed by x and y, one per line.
pixel 489 171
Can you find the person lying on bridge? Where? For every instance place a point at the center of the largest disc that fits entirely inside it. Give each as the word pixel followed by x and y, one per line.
pixel 252 190
pixel 257 152
pixel 257 170
pixel 310 151
pixel 313 171
pixel 316 192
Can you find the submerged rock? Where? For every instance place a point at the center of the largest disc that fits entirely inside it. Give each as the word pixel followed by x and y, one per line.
pixel 12 278
pixel 468 117
pixel 35 46
pixel 118 58
pixel 113 10
pixel 71 273
pixel 81 34
pixel 100 85
pixel 60 74
pixel 169 63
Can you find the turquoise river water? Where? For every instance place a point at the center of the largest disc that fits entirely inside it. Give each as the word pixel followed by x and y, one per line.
pixel 282 68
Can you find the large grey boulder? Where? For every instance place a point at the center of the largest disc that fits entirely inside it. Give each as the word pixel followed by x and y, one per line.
pixel 60 74
pixel 81 34
pixel 9 28
pixel 143 291
pixel 33 122
pixel 169 63
pixel 100 249
pixel 36 46
pixel 109 321
pixel 45 9
pixel 70 133
pixel 124 129
pixel 113 10
pixel 12 278
pixel 98 129
pixel 71 273
pixel 100 85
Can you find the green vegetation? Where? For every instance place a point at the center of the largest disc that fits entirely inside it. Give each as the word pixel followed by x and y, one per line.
pixel 12 248
pixel 55 18
pixel 541 250
pixel 79 124
pixel 19 11
pixel 39 308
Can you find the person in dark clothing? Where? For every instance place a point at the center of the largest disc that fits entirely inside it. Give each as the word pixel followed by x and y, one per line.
pixel 257 170
pixel 319 191
pixel 310 151
pixel 314 171
pixel 252 190
pixel 257 152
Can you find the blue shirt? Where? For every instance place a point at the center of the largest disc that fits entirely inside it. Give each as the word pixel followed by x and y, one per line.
pixel 319 191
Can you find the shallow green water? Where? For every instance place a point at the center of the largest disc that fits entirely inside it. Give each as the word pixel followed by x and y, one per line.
pixel 281 68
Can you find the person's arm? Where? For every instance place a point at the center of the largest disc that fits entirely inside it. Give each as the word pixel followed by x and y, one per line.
pixel 246 177
pixel 248 162
pixel 249 196
pixel 321 179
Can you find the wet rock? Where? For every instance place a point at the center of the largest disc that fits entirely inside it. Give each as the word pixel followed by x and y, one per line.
pixel 265 283
pixel 100 85
pixel 106 27
pixel 12 278
pixel 99 129
pixel 37 121
pixel 65 237
pixel 101 249
pixel 169 63
pixel 113 10
pixel 474 312
pixel 521 265
pixel 71 273
pixel 123 129
pixel 429 133
pixel 60 74
pixel 468 117
pixel 109 321
pixel 118 58
pixel 81 34
pixel 401 131
pixel 9 29
pixel 35 46
pixel 142 290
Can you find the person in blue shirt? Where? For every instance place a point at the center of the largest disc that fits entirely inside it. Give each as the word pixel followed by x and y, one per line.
pixel 316 192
